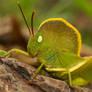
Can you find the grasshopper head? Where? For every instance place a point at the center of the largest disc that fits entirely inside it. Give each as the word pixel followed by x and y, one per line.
pixel 34 44
pixel 35 39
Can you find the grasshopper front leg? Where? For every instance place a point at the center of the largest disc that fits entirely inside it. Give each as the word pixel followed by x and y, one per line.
pixel 36 73
pixel 15 51
pixel 22 56
pixel 2 52
pixel 42 61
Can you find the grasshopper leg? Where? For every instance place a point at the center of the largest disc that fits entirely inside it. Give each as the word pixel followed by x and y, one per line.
pixel 70 79
pixel 75 89
pixel 14 51
pixel 2 53
pixel 69 76
pixel 70 82
pixel 36 73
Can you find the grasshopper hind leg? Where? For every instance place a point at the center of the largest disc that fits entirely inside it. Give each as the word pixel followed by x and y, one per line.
pixel 70 83
pixel 74 89
pixel 70 78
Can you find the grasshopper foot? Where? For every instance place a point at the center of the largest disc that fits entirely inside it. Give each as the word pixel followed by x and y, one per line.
pixel 29 82
pixel 75 89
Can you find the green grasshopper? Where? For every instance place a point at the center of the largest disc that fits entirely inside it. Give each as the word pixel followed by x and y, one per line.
pixel 57 46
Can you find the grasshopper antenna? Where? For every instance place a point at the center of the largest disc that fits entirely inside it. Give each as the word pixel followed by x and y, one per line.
pixel 23 16
pixel 32 22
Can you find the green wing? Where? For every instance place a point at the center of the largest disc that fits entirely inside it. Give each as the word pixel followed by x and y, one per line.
pixel 61 35
pixel 85 70
pixel 78 66
pixel 70 60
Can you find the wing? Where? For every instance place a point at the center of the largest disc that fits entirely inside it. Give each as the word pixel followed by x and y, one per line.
pixel 79 67
pixel 62 35
pixel 64 65
pixel 70 60
pixel 65 60
pixel 85 71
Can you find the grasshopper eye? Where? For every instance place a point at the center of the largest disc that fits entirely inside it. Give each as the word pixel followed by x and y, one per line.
pixel 39 39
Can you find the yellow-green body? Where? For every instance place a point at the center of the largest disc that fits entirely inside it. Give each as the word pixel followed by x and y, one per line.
pixel 60 51
pixel 57 46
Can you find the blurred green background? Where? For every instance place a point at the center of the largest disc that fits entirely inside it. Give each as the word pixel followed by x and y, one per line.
pixel 77 12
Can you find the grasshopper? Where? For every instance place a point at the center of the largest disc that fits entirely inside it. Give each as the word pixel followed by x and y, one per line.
pixel 57 46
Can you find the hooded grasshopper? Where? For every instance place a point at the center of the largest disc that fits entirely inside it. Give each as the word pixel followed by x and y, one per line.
pixel 57 46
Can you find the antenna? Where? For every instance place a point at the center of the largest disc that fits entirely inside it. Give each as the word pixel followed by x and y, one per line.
pixel 23 16
pixel 32 22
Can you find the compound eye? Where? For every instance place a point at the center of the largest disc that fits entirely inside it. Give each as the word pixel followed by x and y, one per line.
pixel 39 39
